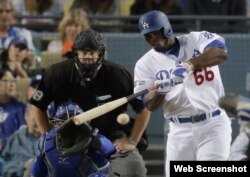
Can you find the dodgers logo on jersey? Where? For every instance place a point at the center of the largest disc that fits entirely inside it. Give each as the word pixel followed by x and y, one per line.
pixel 196 53
pixel 145 25
pixel 162 75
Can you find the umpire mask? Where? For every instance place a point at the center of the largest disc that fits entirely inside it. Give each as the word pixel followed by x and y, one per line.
pixel 89 52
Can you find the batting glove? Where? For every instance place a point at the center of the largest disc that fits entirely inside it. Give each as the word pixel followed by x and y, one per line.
pixel 165 86
pixel 180 72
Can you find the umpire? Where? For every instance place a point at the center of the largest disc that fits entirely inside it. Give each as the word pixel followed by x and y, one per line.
pixel 89 80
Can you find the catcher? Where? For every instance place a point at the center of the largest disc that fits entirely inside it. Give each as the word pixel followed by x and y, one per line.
pixel 80 153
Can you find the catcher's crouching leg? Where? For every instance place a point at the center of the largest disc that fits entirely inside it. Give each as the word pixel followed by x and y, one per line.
pixel 128 165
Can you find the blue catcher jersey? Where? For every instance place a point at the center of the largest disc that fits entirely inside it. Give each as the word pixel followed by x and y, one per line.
pixel 49 163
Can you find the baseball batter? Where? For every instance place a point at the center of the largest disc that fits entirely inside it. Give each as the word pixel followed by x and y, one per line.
pixel 186 69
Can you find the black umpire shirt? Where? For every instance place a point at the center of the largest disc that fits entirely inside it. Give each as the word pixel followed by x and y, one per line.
pixel 61 83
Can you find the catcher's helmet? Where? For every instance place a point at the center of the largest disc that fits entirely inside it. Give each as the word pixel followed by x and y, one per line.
pixel 89 40
pixel 154 21
pixel 63 112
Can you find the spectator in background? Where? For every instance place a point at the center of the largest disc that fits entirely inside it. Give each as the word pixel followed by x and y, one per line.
pixel 101 8
pixel 219 7
pixel 169 7
pixel 69 27
pixel 183 5
pixel 16 58
pixel 11 110
pixel 50 8
pixel 7 31
pixel 96 7
pixel 248 7
pixel 20 147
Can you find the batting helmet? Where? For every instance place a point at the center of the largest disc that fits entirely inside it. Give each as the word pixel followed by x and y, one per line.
pixel 89 40
pixel 63 112
pixel 154 21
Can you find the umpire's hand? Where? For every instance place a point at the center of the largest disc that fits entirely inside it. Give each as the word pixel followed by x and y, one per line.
pixel 123 145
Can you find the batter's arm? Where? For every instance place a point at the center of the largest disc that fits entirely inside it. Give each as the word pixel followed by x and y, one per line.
pixel 212 56
pixel 154 100
pixel 41 119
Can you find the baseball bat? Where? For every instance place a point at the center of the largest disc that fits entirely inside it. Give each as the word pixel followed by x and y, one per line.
pixel 107 107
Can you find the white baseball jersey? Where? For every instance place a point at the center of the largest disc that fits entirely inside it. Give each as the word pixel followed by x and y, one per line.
pixel 200 90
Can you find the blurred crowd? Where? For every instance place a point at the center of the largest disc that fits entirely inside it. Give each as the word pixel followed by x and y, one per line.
pixel 18 54
pixel 46 15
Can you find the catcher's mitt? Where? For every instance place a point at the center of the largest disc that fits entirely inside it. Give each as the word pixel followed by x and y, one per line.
pixel 73 139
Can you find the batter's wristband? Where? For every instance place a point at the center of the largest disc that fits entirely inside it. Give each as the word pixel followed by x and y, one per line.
pixel 189 66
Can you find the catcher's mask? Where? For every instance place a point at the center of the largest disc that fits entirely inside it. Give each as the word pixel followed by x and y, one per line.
pixel 63 112
pixel 88 41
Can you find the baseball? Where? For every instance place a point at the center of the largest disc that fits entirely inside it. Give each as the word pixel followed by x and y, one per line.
pixel 123 118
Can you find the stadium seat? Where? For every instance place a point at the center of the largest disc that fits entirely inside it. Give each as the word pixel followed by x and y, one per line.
pixel 22 87
pixel 49 58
